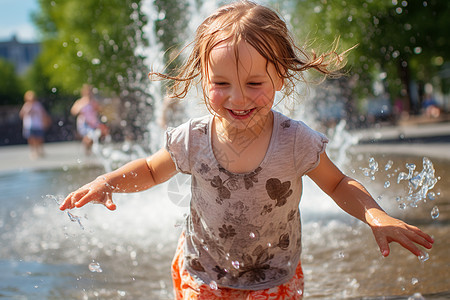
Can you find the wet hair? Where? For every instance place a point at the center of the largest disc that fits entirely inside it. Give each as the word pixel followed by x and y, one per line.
pixel 263 29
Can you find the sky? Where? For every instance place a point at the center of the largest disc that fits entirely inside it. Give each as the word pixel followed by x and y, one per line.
pixel 15 19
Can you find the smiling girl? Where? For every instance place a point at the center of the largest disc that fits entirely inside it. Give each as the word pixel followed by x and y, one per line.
pixel 242 238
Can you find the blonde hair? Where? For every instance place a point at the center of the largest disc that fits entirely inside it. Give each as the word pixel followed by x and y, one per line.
pixel 264 30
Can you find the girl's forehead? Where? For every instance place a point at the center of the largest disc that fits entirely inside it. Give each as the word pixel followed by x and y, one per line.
pixel 229 50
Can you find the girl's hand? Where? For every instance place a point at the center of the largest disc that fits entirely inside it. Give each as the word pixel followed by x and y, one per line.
pixel 387 229
pixel 98 191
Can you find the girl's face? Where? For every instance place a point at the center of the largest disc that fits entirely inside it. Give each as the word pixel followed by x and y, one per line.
pixel 241 92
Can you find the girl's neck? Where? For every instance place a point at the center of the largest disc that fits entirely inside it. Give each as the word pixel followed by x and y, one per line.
pixel 241 151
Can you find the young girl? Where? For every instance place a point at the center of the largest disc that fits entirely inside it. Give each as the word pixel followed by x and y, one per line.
pixel 36 121
pixel 242 239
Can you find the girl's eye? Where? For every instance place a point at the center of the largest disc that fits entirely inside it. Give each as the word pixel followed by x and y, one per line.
pixel 220 83
pixel 255 83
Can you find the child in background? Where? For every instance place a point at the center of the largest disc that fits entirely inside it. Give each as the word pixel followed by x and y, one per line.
pixel 242 238
pixel 35 122
pixel 86 110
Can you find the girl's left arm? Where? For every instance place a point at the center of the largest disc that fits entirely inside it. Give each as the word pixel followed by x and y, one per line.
pixel 353 198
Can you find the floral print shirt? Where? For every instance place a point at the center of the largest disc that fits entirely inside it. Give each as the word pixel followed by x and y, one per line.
pixel 244 229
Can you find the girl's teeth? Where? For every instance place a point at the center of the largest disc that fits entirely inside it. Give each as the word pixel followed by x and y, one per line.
pixel 241 112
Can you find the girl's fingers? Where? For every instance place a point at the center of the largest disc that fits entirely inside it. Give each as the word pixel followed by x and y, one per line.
pixel 383 245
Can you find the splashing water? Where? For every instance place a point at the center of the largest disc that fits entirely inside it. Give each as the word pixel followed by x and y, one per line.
pixel 94 267
pixel 75 218
pixel 419 184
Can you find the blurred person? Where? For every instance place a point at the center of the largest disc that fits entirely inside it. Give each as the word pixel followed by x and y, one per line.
pixel 86 110
pixel 430 107
pixel 36 121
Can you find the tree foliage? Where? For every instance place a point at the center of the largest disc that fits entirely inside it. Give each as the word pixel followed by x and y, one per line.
pixel 11 90
pixel 402 40
pixel 92 41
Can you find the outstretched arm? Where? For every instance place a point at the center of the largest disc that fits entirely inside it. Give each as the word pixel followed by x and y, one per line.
pixel 135 176
pixel 353 198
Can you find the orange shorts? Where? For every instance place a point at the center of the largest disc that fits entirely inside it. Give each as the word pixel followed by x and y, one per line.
pixel 187 288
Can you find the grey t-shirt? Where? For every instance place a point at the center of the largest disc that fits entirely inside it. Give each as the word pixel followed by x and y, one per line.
pixel 244 229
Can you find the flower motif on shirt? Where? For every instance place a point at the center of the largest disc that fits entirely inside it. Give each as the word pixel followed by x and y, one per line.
pixel 227 231
pixel 286 124
pixel 283 242
pixel 278 190
pixel 266 209
pixel 220 272
pixel 251 178
pixel 291 215
pixel 255 268
pixel 195 264
pixel 204 168
pixel 224 192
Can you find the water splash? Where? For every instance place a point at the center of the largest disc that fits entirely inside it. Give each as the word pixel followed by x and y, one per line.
pixel 419 183
pixel 75 218
pixel 94 267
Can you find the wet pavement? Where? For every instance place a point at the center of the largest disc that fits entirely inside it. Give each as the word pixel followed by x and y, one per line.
pixel 431 140
pixel 57 155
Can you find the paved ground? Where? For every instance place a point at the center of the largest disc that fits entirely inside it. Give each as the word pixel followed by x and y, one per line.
pixel 57 155
pixel 432 140
pixel 71 153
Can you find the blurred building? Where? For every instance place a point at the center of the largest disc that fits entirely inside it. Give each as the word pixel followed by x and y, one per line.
pixel 18 53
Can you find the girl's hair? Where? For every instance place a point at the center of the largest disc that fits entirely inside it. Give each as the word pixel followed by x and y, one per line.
pixel 263 29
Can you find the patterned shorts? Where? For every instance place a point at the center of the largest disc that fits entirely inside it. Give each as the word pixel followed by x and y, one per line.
pixel 187 288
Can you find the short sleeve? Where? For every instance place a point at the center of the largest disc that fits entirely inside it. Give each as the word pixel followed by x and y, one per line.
pixel 309 144
pixel 177 144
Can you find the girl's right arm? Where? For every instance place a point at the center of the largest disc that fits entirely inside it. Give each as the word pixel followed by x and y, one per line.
pixel 135 176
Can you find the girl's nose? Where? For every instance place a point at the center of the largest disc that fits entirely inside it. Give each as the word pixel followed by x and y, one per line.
pixel 238 97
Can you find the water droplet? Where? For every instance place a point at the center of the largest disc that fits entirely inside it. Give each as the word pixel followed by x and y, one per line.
pixel 424 256
pixel 431 196
pixel 416 296
pixel 94 267
pixel 387 184
pixel 388 165
pixel 435 213
pixel 252 235
pixel 235 264
pixel 402 176
pixel 373 164
pixel 213 285
pixel 402 206
pixel 414 281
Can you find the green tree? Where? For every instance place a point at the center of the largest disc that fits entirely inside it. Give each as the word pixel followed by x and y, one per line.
pixel 11 90
pixel 97 42
pixel 92 41
pixel 403 40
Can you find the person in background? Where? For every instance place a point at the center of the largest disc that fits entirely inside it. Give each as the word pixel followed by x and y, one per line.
pixel 36 121
pixel 86 110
